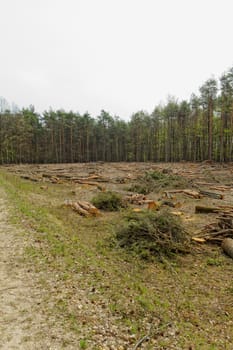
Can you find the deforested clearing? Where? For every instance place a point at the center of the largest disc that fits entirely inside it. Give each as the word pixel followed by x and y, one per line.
pixel 111 289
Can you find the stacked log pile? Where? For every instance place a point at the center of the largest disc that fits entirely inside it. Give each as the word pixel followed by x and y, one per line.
pixel 197 194
pixel 83 208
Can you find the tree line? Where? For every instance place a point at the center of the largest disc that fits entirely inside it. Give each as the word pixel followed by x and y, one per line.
pixel 194 130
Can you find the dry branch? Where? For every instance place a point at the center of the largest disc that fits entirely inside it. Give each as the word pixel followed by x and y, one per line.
pixel 218 231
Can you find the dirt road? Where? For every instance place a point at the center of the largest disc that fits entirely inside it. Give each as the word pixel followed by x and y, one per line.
pixel 20 322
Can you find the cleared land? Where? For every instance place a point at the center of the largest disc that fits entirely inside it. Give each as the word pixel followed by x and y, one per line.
pixel 95 295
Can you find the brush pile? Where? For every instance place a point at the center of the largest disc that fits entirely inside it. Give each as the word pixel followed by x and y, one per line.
pixel 154 181
pixel 217 231
pixel 152 234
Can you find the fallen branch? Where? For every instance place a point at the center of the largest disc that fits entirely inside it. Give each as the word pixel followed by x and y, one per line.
pixel 217 232
pixel 147 337
pixel 90 183
pixel 220 209
pixel 139 343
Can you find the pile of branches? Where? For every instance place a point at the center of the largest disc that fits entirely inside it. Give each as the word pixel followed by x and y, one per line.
pixel 152 234
pixel 154 181
pixel 217 231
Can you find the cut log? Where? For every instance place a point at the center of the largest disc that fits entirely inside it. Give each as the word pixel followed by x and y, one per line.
pixel 191 193
pixel 168 195
pixel 205 210
pixel 220 188
pixel 205 183
pixel 227 246
pixel 152 205
pixel 211 194
pixel 91 209
pixel 80 210
pixel 83 208
pixel 90 183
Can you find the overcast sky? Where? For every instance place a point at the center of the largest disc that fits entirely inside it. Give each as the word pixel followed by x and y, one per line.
pixel 117 55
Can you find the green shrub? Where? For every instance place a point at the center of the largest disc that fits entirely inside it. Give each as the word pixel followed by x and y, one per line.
pixel 109 201
pixel 152 234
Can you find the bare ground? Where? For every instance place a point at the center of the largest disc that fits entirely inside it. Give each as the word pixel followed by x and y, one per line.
pixel 23 324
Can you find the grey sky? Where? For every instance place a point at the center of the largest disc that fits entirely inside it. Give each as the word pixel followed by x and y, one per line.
pixel 117 55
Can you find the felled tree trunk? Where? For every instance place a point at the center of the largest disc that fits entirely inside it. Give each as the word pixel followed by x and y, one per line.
pixel 227 246
pixel 202 209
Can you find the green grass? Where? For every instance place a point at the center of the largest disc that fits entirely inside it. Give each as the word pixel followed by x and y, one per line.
pixel 74 253
pixel 83 344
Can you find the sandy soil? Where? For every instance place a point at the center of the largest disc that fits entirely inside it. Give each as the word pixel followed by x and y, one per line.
pixel 21 323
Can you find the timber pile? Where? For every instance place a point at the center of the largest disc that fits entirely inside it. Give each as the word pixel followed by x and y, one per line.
pixel 194 194
pixel 138 199
pixel 57 178
pixel 83 208
pixel 218 209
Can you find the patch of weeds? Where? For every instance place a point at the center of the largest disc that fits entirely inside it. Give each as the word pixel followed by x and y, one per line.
pixel 132 325
pixel 145 303
pixel 214 262
pixel 83 344
pixel 155 181
pixel 230 290
pixel 114 308
pixel 109 201
pixel 151 234
pixel 62 305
